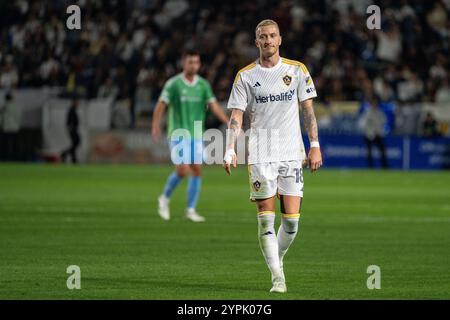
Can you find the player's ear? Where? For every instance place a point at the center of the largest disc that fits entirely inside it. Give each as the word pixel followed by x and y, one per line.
pixel 281 40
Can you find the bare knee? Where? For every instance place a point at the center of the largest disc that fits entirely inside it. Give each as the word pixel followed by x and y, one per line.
pixel 290 204
pixel 265 204
pixel 196 170
pixel 181 170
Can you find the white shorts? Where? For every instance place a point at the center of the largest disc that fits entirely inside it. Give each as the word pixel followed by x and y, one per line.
pixel 269 179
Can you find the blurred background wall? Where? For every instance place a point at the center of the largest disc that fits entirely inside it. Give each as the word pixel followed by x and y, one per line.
pixel 118 62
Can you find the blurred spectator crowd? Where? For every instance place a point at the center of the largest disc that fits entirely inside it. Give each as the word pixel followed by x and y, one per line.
pixel 128 49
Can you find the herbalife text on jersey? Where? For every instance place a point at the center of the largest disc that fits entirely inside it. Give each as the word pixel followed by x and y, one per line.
pixel 285 96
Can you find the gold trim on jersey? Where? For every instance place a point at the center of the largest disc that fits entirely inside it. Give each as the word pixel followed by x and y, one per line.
pixel 295 63
pixel 248 67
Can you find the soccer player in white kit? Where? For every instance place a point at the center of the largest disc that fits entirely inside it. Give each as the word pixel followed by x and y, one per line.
pixel 271 89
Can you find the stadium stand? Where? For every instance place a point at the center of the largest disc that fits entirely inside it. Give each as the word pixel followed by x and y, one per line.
pixel 126 50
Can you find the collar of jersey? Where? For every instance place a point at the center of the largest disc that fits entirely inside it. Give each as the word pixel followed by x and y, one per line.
pixel 186 81
pixel 271 68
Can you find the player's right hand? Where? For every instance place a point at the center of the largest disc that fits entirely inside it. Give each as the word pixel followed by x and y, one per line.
pixel 228 159
pixel 156 133
pixel 314 159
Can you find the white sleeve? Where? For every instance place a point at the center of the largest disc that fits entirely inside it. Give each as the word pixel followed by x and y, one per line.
pixel 239 97
pixel 306 89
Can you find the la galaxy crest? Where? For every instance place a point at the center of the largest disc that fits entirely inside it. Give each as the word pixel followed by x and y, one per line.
pixel 256 185
pixel 287 80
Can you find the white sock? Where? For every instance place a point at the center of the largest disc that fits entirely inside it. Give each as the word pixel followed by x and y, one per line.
pixel 268 242
pixel 286 233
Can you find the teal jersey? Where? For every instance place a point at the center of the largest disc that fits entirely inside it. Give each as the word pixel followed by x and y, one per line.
pixel 187 103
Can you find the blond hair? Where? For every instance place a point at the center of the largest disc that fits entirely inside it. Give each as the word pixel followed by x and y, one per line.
pixel 266 22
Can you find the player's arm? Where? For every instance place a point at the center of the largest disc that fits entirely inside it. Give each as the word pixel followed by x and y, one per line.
pixel 156 121
pixel 234 127
pixel 314 159
pixel 218 111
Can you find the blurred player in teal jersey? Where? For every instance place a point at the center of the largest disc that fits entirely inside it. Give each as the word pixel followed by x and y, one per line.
pixel 187 96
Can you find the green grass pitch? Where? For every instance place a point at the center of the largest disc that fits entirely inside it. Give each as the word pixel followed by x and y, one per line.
pixel 103 219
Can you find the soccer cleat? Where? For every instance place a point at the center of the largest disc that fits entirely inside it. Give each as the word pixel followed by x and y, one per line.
pixel 163 208
pixel 192 215
pixel 279 285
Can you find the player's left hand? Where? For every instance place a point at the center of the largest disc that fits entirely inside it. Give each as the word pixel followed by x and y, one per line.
pixel 314 160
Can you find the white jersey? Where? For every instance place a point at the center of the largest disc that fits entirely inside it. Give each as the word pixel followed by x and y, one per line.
pixel 272 95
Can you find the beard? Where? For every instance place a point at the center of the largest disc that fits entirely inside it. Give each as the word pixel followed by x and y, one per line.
pixel 191 72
